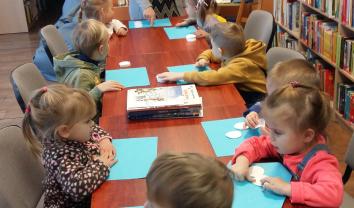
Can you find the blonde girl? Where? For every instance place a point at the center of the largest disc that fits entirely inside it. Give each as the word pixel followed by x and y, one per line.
pixel 200 12
pixel 296 115
pixel 69 144
pixel 102 10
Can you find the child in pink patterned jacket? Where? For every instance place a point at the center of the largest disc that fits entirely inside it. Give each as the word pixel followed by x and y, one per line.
pixel 61 118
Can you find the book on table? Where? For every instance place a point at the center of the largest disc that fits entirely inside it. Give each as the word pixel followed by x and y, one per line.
pixel 164 102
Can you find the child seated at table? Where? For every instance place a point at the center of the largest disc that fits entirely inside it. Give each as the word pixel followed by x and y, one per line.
pixel 102 10
pixel 283 73
pixel 242 63
pixel 201 12
pixel 296 114
pixel 70 143
pixel 188 180
pixel 79 69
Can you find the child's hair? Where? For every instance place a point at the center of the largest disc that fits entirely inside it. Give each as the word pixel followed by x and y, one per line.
pixel 297 69
pixel 51 107
pixel 189 180
pixel 92 8
pixel 204 7
pixel 229 36
pixel 308 107
pixel 88 36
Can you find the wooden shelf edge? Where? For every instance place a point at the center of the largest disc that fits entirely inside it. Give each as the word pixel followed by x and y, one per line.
pixel 343 123
pixel 320 55
pixel 348 26
pixel 292 33
pixel 351 77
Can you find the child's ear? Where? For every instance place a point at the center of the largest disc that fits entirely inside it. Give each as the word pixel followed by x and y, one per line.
pixel 100 49
pixel 309 135
pixel 221 51
pixel 63 131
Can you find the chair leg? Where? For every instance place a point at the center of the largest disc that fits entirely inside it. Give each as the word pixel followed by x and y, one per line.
pixel 240 11
pixel 346 175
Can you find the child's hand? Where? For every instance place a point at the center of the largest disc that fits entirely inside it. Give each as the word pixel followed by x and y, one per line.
pixel 277 185
pixel 122 32
pixel 170 76
pixel 251 120
pixel 182 24
pixel 265 131
pixel 200 33
pixel 201 63
pixel 110 86
pixel 240 169
pixel 107 146
pixel 107 158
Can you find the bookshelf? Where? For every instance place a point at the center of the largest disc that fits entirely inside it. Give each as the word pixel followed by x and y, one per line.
pixel 19 15
pixel 311 44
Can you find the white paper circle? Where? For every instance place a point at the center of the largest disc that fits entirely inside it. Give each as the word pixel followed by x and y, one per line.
pixel 258 180
pixel 124 64
pixel 233 134
pixel 256 171
pixel 138 26
pixel 239 126
pixel 159 79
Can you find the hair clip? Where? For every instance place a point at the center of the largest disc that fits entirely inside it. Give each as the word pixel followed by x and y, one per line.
pixel 294 84
pixel 201 1
pixel 45 89
pixel 84 0
pixel 28 109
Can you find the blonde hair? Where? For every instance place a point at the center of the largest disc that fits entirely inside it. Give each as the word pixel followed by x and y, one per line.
pixel 49 109
pixel 297 69
pixel 92 8
pixel 308 107
pixel 229 36
pixel 204 9
pixel 88 36
pixel 189 180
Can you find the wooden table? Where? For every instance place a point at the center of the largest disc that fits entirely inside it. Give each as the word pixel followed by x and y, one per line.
pixel 151 48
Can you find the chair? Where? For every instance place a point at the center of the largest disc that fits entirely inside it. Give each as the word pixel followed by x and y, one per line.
pixel 21 172
pixel 53 43
pixel 25 79
pixel 279 54
pixel 348 201
pixel 260 26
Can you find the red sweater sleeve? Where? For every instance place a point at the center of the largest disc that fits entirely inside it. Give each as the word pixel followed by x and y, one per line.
pixel 320 184
pixel 256 148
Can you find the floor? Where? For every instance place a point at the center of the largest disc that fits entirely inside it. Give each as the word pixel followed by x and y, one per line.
pixel 17 49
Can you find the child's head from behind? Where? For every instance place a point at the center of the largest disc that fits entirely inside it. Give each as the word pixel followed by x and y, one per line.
pixel 227 39
pixel 296 115
pixel 200 8
pixel 284 73
pixel 100 10
pixel 188 180
pixel 58 112
pixel 91 39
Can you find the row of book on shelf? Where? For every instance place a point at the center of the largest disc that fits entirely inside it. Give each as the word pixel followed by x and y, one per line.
pixel 287 14
pixel 321 35
pixel 32 10
pixel 164 102
pixel 345 102
pixel 284 39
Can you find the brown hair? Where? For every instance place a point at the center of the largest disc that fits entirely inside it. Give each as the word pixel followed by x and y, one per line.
pixel 88 36
pixel 189 180
pixel 203 9
pixel 91 8
pixel 229 36
pixel 297 69
pixel 49 109
pixel 308 107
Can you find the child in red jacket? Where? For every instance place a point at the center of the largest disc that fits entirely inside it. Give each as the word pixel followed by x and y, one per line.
pixel 296 115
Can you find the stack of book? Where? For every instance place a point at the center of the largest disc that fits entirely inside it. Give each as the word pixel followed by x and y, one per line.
pixel 164 102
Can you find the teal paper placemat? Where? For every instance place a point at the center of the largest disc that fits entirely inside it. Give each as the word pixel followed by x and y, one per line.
pixel 246 194
pixel 222 145
pixel 146 23
pixel 179 32
pixel 184 68
pixel 133 77
pixel 135 157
